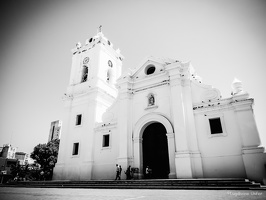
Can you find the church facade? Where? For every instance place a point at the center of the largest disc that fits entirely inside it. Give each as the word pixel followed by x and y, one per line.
pixel 159 115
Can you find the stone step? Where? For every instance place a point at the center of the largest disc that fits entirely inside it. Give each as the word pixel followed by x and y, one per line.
pixel 237 184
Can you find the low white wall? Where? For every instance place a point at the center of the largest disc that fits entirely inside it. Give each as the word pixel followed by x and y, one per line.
pixel 223 167
pixel 255 164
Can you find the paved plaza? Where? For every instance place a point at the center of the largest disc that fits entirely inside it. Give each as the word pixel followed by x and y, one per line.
pixel 7 193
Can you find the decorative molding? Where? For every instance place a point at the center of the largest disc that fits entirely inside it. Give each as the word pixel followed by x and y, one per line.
pixel 151 107
pixel 253 150
pixel 211 94
pixel 137 140
pixel 170 135
pixel 105 127
pixel 150 87
pixel 218 105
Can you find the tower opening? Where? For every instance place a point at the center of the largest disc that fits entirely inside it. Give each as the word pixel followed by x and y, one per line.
pixel 84 76
pixel 155 152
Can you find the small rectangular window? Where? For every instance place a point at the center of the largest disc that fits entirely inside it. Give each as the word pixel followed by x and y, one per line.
pixel 78 119
pixel 216 126
pixel 106 140
pixel 75 149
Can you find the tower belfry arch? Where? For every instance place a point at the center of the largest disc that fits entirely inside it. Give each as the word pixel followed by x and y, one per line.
pixel 142 131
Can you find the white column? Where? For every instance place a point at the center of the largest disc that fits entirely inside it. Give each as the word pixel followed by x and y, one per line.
pixel 195 155
pixel 171 154
pixel 247 124
pixel 124 128
pixel 253 154
pixel 138 155
pixel 182 156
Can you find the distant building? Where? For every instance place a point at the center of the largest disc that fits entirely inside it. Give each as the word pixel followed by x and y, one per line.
pixel 55 130
pixel 159 114
pixel 8 151
pixel 22 157
pixel 5 167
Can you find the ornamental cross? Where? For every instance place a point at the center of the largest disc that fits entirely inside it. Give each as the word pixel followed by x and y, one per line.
pixel 100 29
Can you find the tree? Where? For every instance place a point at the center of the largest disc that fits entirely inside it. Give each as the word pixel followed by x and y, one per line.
pixel 46 156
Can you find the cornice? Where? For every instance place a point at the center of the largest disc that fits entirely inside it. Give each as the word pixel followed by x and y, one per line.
pixel 89 92
pixel 98 39
pixel 218 105
pixel 99 127
pixel 140 89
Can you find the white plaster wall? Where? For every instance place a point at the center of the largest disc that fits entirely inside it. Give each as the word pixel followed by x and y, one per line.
pixel 247 126
pixel 104 57
pixel 77 66
pixel 78 167
pixel 197 89
pixel 105 158
pixel 221 153
pixel 84 135
pixel 255 164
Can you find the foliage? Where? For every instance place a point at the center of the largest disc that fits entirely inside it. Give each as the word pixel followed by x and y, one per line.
pixel 25 172
pixel 46 156
pixel 15 169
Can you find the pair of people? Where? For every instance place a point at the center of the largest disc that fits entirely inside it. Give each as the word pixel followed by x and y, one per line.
pixel 118 172
pixel 128 173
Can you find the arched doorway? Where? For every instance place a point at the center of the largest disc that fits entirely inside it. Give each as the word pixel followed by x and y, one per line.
pixel 155 151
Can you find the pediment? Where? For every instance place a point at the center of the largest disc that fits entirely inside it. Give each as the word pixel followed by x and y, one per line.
pixel 150 66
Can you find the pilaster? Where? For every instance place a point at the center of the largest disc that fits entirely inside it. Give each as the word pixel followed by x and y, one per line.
pixel 187 166
pixel 171 154
pixel 124 121
pixel 138 154
pixel 246 122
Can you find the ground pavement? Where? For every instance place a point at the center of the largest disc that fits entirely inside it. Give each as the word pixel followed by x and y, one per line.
pixel 7 193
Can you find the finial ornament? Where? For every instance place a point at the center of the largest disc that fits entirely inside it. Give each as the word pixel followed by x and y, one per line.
pixel 78 45
pixel 100 29
pixel 237 86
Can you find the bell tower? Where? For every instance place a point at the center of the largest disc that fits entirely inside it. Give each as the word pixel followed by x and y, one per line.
pixel 96 66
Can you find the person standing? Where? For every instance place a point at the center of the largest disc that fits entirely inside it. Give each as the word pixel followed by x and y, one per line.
pixel 120 171
pixel 148 172
pixel 117 172
pixel 128 172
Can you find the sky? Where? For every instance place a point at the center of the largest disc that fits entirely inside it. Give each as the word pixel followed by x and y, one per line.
pixel 223 39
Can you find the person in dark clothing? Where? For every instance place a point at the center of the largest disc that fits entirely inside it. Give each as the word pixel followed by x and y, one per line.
pixel 120 170
pixel 148 172
pixel 128 172
pixel 117 172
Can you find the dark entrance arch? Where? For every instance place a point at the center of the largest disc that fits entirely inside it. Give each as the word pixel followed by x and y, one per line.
pixel 155 151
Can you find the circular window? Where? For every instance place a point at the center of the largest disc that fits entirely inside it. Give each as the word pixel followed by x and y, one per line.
pixel 150 69
pixel 110 64
pixel 86 60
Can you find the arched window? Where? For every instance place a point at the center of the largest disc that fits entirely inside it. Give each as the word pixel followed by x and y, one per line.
pixel 84 75
pixel 109 77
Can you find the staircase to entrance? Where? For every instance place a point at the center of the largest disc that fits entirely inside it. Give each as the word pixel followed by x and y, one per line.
pixel 196 184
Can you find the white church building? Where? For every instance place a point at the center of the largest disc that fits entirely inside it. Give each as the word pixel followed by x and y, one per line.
pixel 159 115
